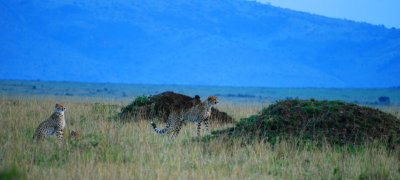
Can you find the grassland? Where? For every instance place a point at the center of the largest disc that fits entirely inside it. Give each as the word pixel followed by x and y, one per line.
pixel 122 92
pixel 109 149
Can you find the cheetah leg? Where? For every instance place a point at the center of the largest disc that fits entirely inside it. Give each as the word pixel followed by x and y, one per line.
pixel 198 128
pixel 60 136
pixel 206 125
pixel 177 129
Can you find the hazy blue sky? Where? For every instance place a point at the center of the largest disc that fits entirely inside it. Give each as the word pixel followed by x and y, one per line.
pixel 386 12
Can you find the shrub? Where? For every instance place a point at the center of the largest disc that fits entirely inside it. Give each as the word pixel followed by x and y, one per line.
pixel 333 121
pixel 384 100
pixel 11 173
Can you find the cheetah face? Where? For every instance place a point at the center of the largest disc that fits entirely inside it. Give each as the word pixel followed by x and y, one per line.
pixel 60 108
pixel 212 100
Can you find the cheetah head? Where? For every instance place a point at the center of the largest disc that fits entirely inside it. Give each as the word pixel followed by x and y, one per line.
pixel 212 100
pixel 60 108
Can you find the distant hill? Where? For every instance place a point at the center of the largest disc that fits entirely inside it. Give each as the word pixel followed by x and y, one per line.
pixel 203 42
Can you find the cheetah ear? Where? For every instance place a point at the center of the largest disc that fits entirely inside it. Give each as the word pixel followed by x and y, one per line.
pixel 213 98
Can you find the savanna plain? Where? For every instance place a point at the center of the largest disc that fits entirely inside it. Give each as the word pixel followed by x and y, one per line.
pixel 108 148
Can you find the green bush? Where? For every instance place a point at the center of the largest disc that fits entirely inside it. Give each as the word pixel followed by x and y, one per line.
pixel 139 101
pixel 11 173
pixel 333 121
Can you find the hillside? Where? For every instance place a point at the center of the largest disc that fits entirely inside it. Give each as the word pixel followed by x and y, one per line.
pixel 235 42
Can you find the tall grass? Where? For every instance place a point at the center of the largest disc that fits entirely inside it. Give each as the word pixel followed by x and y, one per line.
pixel 109 149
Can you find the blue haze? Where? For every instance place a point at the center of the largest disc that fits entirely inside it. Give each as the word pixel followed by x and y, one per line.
pixel 201 42
pixel 383 12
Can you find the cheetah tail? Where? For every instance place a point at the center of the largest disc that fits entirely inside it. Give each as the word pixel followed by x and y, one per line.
pixel 153 125
pixel 158 130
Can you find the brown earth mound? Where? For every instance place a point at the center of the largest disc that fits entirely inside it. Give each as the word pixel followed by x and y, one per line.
pixel 333 121
pixel 161 105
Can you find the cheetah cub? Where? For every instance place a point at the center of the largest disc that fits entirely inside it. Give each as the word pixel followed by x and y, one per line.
pixel 54 125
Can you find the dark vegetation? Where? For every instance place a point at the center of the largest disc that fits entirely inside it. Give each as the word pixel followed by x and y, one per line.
pixel 11 173
pixel 161 105
pixel 384 100
pixel 334 122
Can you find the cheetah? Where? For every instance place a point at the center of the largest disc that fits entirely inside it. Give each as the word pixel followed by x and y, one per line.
pixel 199 113
pixel 54 125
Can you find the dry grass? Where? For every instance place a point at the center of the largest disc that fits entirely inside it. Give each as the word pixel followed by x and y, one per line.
pixel 108 149
pixel 239 110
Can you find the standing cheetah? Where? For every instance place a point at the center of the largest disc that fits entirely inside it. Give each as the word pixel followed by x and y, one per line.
pixel 197 114
pixel 54 125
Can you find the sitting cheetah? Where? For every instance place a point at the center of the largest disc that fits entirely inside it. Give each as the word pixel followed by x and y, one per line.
pixel 198 113
pixel 54 125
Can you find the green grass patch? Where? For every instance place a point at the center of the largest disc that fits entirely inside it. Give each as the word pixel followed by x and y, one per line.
pixel 11 173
